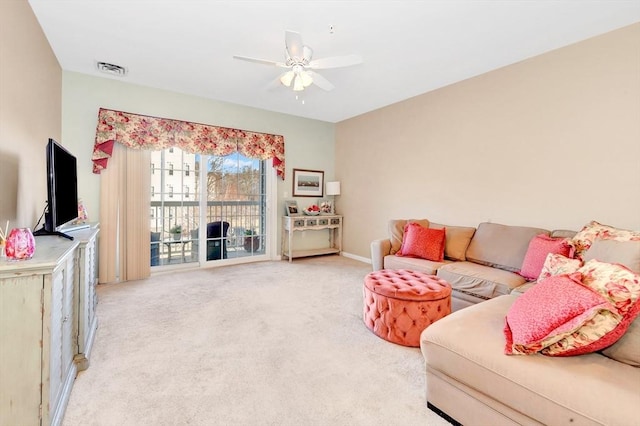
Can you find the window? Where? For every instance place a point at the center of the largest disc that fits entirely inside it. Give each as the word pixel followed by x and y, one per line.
pixel 153 190
pixel 186 191
pixel 170 190
pixel 170 169
pixel 186 169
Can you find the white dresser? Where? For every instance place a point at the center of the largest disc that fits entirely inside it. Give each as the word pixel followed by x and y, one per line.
pixel 47 325
pixel 86 297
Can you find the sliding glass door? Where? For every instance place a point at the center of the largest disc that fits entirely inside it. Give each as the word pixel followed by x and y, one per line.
pixel 207 208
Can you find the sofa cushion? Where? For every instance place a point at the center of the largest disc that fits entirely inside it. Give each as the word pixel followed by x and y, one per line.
pixel 457 240
pixel 594 230
pixel 563 233
pixel 554 308
pixel 539 247
pixel 466 349
pixel 627 349
pixel 396 231
pixel 501 246
pixel 425 243
pixel 556 264
pixel 626 253
pixel 413 263
pixel 479 280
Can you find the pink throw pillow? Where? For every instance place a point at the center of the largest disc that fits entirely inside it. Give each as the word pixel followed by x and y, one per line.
pixel 621 288
pixel 425 243
pixel 576 322
pixel 539 247
pixel 549 311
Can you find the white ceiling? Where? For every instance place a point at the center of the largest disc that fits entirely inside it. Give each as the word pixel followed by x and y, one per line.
pixel 408 47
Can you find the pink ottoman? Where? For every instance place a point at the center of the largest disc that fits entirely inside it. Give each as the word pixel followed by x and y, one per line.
pixel 399 304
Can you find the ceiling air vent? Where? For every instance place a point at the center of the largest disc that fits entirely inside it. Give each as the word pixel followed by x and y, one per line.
pixel 112 69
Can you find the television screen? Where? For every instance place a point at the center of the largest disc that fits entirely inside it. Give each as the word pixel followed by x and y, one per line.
pixel 62 188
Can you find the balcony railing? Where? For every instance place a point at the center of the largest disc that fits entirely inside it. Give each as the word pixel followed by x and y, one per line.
pixel 242 216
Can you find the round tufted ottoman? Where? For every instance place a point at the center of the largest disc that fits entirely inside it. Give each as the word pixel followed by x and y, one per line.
pixel 399 304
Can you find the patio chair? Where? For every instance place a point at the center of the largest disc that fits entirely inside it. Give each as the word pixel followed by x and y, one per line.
pixel 217 240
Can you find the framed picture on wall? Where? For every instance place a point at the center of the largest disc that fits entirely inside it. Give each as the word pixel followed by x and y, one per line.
pixel 308 183
pixel 291 208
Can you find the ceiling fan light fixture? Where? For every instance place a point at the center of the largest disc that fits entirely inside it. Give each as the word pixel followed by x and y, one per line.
pixel 287 78
pixel 297 84
pixel 306 78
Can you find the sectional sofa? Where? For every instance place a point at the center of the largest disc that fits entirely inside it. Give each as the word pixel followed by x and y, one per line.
pixel 476 374
pixel 479 263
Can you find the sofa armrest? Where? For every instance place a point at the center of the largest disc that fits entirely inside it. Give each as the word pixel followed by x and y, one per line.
pixel 379 249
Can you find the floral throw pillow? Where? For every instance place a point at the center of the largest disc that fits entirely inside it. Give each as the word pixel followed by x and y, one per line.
pixel 425 243
pixel 557 264
pixel 593 230
pixel 601 331
pixel 617 283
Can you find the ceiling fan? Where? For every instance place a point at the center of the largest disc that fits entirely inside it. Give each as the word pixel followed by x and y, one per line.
pixel 298 61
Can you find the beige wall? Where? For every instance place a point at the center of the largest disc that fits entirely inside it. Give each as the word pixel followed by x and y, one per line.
pixel 30 113
pixel 309 144
pixel 553 142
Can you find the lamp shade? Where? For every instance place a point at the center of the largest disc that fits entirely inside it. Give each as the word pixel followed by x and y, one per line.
pixel 333 188
pixel 287 78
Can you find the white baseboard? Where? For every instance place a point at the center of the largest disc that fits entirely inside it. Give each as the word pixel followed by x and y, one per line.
pixel 356 257
pixel 345 254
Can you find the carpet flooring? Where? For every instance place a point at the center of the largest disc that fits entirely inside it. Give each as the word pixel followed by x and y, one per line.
pixel 269 343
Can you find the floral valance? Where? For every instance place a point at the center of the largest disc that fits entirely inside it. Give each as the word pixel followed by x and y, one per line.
pixel 153 133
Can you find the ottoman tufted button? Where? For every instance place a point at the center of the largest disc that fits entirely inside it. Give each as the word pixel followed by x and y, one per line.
pixel 400 304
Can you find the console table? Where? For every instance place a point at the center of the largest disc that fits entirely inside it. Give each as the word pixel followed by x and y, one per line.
pixel 47 326
pixel 291 224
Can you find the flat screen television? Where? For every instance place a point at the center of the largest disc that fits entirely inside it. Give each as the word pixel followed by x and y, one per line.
pixel 62 190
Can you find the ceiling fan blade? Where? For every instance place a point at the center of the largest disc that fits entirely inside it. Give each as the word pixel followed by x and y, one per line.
pixel 336 62
pixel 320 81
pixel 308 53
pixel 293 42
pixel 261 61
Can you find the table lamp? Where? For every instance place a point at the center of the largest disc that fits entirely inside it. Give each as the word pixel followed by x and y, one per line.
pixel 333 189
